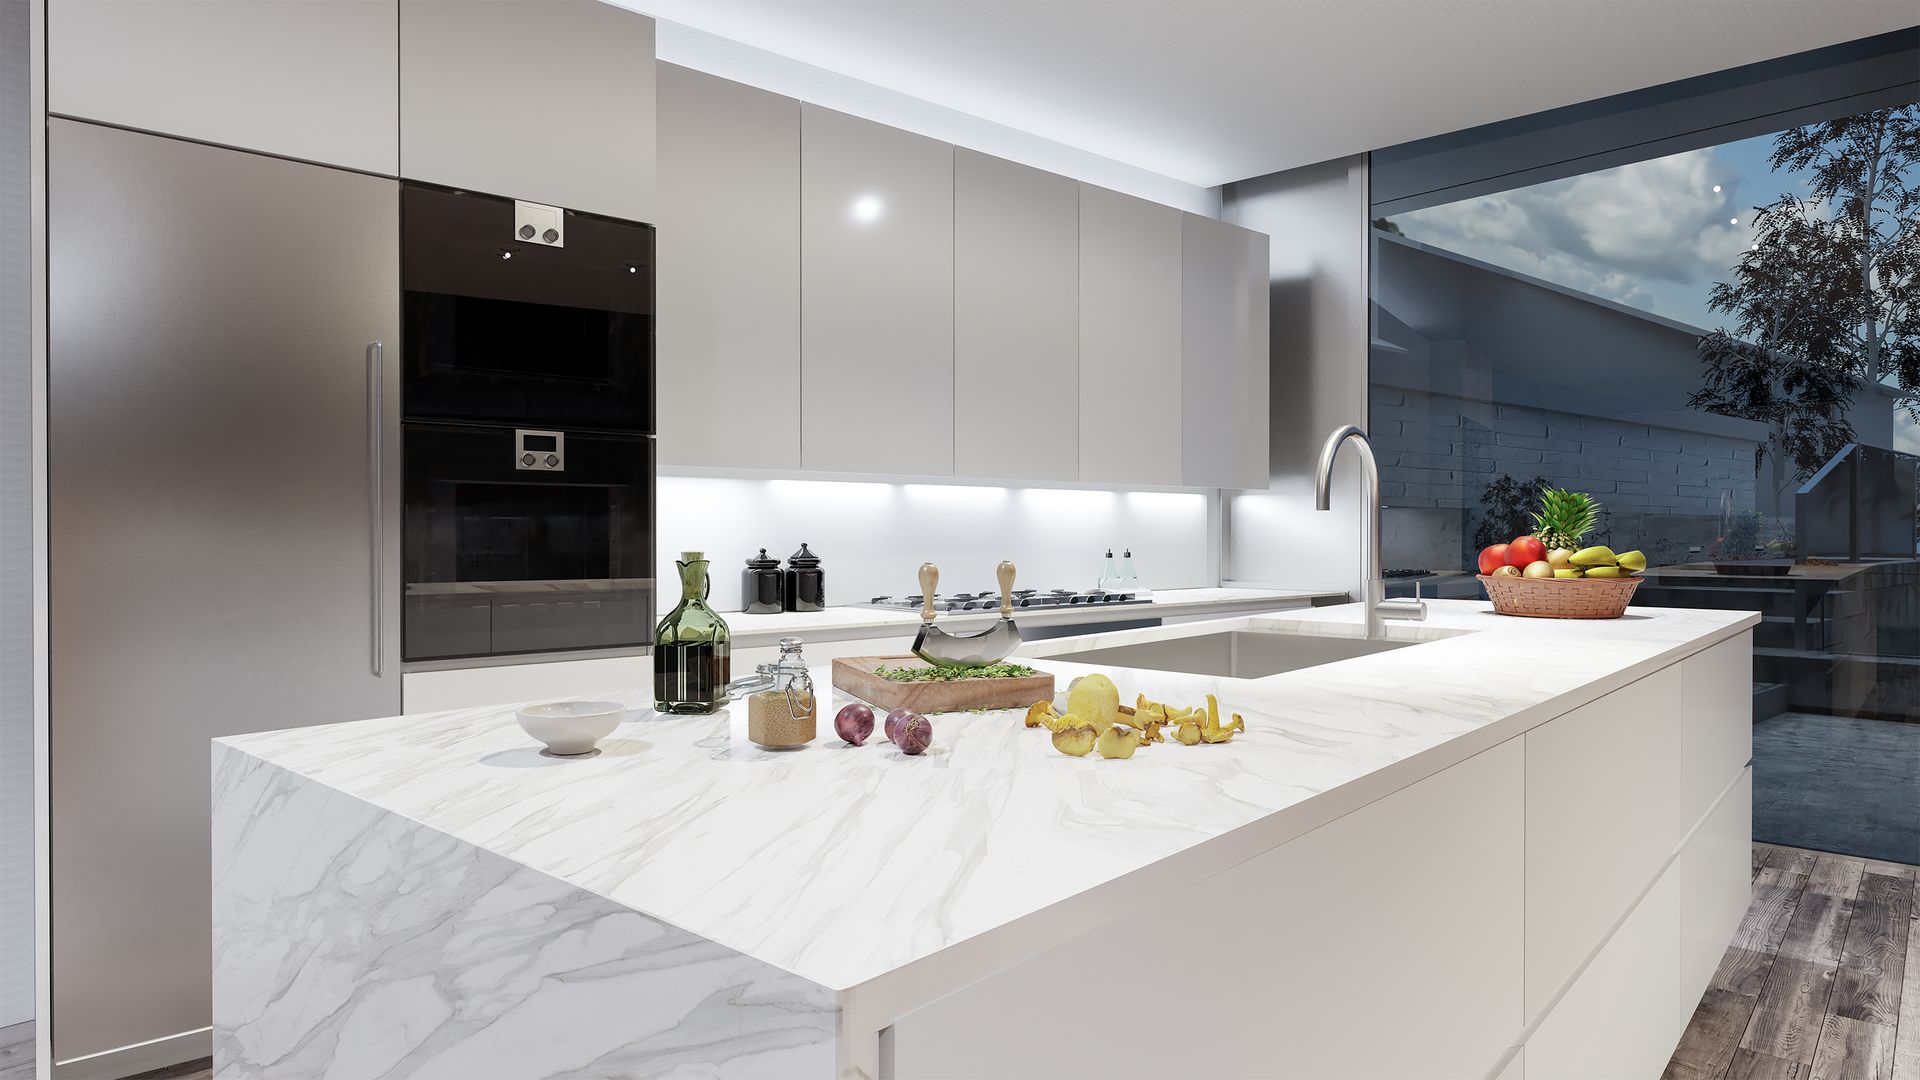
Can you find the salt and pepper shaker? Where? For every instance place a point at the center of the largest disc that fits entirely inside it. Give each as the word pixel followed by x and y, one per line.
pixel 763 588
pixel 806 582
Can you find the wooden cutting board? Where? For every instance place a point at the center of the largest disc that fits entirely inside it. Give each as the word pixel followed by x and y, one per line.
pixel 854 675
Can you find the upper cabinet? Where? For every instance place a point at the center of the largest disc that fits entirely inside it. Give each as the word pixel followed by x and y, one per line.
pixel 310 79
pixel 876 298
pixel 1016 326
pixel 1130 340
pixel 729 305
pixel 545 100
pixel 1224 366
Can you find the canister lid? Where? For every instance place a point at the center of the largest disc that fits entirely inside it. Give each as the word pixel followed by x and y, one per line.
pixel 762 561
pixel 804 557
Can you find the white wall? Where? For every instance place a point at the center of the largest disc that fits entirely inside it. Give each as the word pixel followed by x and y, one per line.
pixel 16 527
pixel 872 537
pixel 1317 217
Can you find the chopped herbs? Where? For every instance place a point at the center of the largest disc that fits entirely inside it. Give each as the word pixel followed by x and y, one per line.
pixel 949 674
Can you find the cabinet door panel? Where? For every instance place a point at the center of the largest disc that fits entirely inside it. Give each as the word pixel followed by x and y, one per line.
pixel 1130 370
pixel 1016 328
pixel 1223 315
pixel 1601 821
pixel 1717 714
pixel 545 100
pixel 309 79
pixel 876 296
pixel 729 331
pixel 212 523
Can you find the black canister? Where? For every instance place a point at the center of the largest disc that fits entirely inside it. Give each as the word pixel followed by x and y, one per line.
pixel 806 582
pixel 762 590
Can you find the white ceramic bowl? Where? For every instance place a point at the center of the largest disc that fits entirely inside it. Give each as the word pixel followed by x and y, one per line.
pixel 570 728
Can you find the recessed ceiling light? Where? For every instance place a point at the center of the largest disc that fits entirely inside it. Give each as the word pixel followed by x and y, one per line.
pixel 1716 189
pixel 1733 221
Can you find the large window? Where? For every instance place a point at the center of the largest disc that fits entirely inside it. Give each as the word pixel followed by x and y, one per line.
pixel 1721 345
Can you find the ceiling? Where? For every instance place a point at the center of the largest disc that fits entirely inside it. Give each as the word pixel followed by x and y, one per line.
pixel 1209 91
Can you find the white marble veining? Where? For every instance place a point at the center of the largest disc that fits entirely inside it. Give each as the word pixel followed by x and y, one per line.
pixel 351 942
pixel 852 620
pixel 855 868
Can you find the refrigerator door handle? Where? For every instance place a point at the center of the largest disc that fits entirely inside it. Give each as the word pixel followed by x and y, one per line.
pixel 376 500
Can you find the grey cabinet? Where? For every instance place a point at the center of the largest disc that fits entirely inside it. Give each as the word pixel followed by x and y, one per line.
pixel 1016 326
pixel 1130 340
pixel 876 297
pixel 545 100
pixel 1224 380
pixel 309 79
pixel 729 299
pixel 223 491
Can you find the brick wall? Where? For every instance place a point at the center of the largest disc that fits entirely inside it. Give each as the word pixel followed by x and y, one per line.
pixel 1663 488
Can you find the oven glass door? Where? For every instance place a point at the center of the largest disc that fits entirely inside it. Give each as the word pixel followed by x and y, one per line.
pixel 521 540
pixel 501 331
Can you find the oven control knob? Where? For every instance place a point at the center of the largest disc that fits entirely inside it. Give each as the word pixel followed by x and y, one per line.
pixel 526 232
pixel 553 460
pixel 526 459
pixel 550 235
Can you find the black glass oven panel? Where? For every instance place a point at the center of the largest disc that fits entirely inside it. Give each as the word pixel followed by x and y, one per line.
pixel 501 559
pixel 496 329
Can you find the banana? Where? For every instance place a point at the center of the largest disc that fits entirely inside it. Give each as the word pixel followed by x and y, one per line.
pixel 1567 572
pixel 1605 571
pixel 1633 562
pixel 1599 555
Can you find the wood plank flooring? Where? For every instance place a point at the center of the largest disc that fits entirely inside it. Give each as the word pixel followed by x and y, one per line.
pixel 1822 980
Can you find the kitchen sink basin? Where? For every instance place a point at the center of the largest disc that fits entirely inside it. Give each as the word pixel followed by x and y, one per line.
pixel 1236 654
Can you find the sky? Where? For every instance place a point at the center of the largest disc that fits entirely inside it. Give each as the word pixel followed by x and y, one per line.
pixel 1654 235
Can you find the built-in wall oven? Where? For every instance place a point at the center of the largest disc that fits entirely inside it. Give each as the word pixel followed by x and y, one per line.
pixel 527 397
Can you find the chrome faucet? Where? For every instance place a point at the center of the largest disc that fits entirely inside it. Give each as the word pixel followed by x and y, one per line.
pixel 1374 603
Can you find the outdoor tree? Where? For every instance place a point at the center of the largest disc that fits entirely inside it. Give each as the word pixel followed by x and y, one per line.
pixel 1828 297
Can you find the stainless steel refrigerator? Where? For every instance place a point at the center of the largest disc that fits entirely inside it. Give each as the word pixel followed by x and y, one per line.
pixel 224 527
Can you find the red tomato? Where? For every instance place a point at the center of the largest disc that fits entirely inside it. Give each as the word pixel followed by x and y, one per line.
pixel 1525 550
pixel 1493 558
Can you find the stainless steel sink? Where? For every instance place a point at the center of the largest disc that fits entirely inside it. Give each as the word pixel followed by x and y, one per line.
pixel 1236 654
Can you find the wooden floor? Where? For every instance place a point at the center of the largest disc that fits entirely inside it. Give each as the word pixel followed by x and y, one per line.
pixel 1822 982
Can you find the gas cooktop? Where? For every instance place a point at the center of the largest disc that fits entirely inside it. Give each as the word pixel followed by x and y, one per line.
pixel 1023 599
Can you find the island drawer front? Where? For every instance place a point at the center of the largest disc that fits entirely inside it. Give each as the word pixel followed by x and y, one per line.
pixel 1716 722
pixel 1602 798
pixel 1405 912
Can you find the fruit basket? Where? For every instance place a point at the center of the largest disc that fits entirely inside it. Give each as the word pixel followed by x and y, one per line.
pixel 1560 598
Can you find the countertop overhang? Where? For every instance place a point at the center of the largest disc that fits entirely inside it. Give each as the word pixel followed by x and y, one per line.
pixel 871 873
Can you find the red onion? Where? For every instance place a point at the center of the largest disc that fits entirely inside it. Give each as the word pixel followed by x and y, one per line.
pixel 893 722
pixel 913 735
pixel 854 723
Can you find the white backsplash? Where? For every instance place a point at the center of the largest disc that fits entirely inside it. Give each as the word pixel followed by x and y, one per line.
pixel 872 537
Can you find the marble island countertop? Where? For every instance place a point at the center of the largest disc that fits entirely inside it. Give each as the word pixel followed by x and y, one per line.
pixel 859 869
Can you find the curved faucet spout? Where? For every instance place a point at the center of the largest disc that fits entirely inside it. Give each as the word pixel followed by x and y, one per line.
pixel 1373 586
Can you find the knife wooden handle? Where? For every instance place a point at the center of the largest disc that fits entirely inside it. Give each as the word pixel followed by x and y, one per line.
pixel 929 581
pixel 1005 571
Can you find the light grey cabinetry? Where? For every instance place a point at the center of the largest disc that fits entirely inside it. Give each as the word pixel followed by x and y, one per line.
pixel 1016 328
pixel 546 100
pixel 876 297
pixel 1224 381
pixel 224 487
pixel 1130 340
pixel 729 302
pixel 310 79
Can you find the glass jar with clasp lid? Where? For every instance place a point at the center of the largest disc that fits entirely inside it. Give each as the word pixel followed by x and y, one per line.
pixel 782 713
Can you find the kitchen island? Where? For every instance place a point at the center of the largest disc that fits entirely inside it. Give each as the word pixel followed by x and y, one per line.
pixel 1507 837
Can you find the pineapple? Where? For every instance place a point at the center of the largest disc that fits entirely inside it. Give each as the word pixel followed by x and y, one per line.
pixel 1565 518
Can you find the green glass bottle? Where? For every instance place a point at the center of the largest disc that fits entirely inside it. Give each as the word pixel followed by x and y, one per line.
pixel 692 648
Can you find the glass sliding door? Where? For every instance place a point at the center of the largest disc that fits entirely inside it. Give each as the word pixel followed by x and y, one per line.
pixel 1712 329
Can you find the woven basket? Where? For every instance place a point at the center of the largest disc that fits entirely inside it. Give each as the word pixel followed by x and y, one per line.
pixel 1560 598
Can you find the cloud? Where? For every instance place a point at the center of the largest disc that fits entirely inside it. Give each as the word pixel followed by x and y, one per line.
pixel 1610 233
